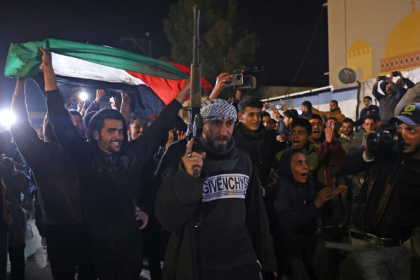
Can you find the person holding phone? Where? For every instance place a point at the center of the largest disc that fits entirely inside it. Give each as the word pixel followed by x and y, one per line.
pixel 387 102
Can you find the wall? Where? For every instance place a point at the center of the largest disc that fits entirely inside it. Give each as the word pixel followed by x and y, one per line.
pixel 373 37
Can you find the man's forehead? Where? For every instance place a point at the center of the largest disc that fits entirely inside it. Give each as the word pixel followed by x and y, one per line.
pixel 113 122
pixel 138 121
pixel 407 125
pixel 298 128
pixel 315 121
pixel 253 110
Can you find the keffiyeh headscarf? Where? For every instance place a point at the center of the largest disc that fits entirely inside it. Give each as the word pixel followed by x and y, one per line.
pixel 216 109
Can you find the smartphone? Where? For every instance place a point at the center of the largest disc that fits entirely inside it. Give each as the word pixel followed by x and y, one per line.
pixel 395 74
pixel 382 78
pixel 278 107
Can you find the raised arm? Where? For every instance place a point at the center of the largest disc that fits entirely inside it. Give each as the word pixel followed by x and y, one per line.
pixel 125 109
pixel 156 135
pixel 375 91
pixel 24 135
pixel 222 82
pixel 94 105
pixel 318 112
pixel 59 117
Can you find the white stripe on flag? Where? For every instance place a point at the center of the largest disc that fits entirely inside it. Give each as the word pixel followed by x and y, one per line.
pixel 68 66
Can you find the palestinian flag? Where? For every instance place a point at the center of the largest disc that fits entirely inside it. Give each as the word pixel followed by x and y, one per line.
pixel 151 83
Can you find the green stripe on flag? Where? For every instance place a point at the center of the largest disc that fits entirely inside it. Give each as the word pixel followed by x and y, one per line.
pixel 23 60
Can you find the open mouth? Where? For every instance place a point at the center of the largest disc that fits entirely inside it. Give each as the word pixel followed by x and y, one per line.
pixel 405 146
pixel 295 143
pixel 316 133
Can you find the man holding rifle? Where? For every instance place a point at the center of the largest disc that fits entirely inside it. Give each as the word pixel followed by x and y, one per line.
pixel 218 222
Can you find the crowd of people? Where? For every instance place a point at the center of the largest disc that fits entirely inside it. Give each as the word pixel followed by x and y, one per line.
pixel 256 196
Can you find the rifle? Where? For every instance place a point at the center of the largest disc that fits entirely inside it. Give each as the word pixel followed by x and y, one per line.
pixel 195 123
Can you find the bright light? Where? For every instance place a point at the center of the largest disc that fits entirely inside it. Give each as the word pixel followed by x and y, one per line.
pixel 7 118
pixel 83 96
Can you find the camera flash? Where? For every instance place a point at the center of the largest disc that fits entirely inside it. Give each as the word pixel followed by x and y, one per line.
pixel 83 96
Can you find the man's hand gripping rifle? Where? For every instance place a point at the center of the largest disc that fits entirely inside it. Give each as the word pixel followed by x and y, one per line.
pixel 195 124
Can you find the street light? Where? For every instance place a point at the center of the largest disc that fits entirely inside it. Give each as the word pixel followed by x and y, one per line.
pixel 7 118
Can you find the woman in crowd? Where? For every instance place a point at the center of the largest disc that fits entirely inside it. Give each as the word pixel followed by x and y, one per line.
pixel 296 206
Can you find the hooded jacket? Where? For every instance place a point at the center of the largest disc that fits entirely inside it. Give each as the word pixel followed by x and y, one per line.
pixel 294 208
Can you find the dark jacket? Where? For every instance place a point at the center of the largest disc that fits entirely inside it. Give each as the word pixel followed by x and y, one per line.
pixel 306 114
pixel 233 231
pixel 110 183
pixel 260 146
pixel 16 183
pixel 55 174
pixel 373 110
pixel 294 208
pixel 402 212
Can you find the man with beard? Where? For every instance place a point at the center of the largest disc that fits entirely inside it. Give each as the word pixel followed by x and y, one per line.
pixel 387 208
pixel 401 83
pixel 335 112
pixel 347 134
pixel 219 228
pixel 387 102
pixel 109 175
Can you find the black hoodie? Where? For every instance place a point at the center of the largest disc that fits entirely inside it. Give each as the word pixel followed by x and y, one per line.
pixel 294 207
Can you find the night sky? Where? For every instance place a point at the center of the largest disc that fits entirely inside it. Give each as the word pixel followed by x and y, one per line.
pixel 284 29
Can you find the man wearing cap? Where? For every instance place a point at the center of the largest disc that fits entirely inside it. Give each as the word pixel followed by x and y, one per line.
pixel 218 224
pixel 387 207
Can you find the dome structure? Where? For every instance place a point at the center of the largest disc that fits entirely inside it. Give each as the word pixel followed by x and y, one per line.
pixel 402 50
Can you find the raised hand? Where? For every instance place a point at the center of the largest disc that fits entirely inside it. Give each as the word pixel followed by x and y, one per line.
pixel 329 132
pixel 192 160
pixel 222 82
pixel 324 195
pixel 99 94
pixel 141 216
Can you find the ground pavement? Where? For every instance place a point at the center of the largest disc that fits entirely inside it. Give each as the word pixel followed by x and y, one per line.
pixel 38 268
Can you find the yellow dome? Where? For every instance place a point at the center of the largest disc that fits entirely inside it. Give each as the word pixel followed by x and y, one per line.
pixel 405 37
